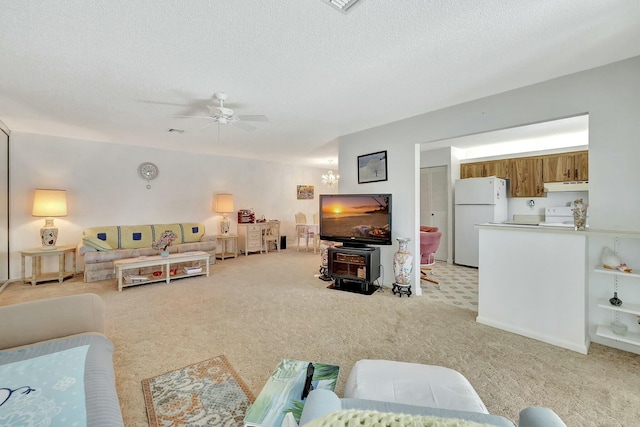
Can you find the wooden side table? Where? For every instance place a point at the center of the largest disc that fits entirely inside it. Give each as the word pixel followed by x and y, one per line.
pixel 36 264
pixel 224 245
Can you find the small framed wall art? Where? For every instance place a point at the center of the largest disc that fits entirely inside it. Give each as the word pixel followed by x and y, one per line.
pixel 305 192
pixel 372 167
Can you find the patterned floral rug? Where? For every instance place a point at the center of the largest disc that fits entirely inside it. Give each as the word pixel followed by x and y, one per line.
pixel 209 393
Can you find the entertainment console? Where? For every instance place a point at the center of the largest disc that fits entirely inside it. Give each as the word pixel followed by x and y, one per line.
pixel 354 268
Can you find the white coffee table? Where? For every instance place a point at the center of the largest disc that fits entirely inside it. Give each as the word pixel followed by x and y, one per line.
pixel 165 265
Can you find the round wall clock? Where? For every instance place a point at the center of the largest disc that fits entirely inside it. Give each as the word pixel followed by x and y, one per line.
pixel 148 171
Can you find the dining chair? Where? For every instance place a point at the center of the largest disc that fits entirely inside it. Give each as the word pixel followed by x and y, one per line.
pixel 271 235
pixel 303 231
pixel 316 232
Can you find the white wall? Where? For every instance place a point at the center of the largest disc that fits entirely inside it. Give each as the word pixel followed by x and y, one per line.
pixel 520 205
pixel 609 94
pixel 402 167
pixel 103 188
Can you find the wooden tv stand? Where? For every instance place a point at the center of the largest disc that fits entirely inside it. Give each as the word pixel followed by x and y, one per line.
pixel 350 266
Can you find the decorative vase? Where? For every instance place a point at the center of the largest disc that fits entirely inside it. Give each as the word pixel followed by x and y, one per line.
pixel 324 260
pixel 615 300
pixel 579 214
pixel 164 254
pixel 403 263
pixel 619 328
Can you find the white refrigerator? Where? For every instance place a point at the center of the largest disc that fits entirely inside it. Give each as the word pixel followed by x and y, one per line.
pixel 477 201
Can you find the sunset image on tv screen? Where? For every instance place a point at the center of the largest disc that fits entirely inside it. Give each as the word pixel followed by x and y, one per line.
pixel 356 216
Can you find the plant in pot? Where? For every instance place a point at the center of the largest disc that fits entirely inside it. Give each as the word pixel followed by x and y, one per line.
pixel 164 241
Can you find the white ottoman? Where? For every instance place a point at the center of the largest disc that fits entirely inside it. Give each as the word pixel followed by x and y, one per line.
pixel 413 384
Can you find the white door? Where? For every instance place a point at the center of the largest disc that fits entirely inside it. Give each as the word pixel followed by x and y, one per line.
pixel 434 199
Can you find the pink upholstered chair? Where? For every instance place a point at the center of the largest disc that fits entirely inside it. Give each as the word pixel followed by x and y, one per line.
pixel 429 243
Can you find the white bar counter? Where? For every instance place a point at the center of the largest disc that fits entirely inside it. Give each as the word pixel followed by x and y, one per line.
pixel 532 281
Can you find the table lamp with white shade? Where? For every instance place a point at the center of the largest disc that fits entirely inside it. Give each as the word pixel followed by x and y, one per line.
pixel 49 204
pixel 224 205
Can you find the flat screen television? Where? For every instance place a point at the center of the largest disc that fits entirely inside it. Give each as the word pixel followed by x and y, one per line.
pixel 356 219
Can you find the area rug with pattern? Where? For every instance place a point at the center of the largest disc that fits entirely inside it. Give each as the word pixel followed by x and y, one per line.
pixel 208 393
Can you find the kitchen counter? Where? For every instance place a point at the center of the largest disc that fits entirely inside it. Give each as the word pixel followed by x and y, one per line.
pixel 532 281
pixel 547 283
pixel 563 230
pixel 535 227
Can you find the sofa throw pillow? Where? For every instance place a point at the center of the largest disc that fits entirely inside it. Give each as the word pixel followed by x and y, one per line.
pixel 136 236
pixel 96 243
pixel 109 234
pixel 192 232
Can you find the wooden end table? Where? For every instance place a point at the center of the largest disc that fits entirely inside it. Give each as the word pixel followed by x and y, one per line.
pixel 225 239
pixel 36 255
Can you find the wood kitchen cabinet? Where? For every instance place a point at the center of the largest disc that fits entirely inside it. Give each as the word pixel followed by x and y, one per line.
pixel 497 168
pixel 566 167
pixel 525 177
pixel 471 170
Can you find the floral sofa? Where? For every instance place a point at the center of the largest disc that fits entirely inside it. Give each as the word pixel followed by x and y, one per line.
pixel 100 246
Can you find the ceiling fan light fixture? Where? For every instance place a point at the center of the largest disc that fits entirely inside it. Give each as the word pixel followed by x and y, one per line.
pixel 341 5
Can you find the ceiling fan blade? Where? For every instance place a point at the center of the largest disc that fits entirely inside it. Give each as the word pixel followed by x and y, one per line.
pixel 194 117
pixel 244 126
pixel 190 106
pixel 254 118
pixel 173 104
pixel 204 126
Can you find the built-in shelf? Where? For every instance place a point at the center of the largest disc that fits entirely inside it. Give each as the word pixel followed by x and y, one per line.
pixel 624 308
pixel 616 272
pixel 629 337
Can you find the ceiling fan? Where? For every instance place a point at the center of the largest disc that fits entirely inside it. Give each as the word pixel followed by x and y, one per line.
pixel 223 115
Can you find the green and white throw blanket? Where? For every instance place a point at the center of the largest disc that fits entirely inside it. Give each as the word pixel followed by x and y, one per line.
pixel 36 391
pixel 359 418
pixel 64 382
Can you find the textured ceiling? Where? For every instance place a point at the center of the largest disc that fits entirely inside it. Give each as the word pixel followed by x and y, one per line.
pixel 120 71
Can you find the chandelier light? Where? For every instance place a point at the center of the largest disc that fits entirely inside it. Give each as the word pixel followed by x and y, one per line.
pixel 330 178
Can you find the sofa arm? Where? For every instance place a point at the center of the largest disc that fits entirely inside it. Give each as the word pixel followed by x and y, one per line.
pixel 319 402
pixel 31 322
pixel 83 249
pixel 208 238
pixel 537 416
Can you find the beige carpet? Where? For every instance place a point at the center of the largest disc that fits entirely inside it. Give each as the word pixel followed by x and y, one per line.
pixel 259 309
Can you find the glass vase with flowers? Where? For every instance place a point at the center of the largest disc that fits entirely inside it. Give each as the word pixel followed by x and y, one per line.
pixel 164 241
